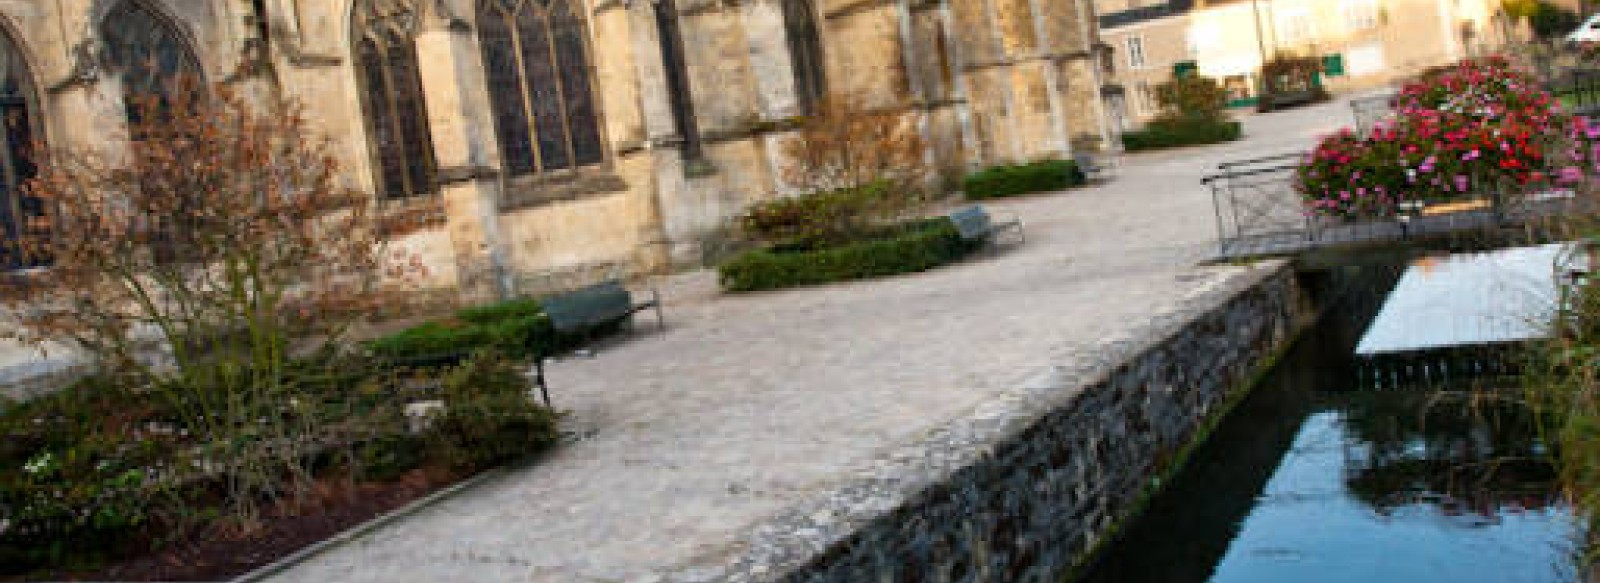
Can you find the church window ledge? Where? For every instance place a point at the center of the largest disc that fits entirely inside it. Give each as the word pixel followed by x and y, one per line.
pixel 522 192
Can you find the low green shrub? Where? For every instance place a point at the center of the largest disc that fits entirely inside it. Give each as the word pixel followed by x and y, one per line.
pixel 825 218
pixel 914 247
pixel 105 469
pixel 498 312
pixel 1012 180
pixel 432 339
pixel 74 489
pixel 488 417
pixel 514 328
pixel 388 457
pixel 1171 133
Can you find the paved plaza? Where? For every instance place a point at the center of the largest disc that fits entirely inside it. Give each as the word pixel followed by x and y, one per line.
pixel 747 404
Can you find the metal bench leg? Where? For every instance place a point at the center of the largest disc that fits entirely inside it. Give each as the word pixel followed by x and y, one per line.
pixel 538 379
pixel 655 301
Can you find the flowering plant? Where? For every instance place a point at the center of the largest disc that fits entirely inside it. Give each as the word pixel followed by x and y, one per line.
pixel 1458 130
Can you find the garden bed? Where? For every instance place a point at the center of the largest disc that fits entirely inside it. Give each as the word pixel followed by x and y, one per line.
pixel 223 554
pixel 912 247
pixel 114 481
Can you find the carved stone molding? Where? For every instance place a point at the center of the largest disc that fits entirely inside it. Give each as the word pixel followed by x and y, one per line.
pixel 451 175
pixel 531 191
pixel 88 64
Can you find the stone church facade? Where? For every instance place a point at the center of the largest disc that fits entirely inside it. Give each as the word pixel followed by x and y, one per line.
pixel 547 135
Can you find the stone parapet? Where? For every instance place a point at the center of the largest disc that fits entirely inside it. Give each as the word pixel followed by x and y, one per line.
pixel 1027 486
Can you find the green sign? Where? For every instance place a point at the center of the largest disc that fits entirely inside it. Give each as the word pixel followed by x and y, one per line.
pixel 1333 65
pixel 1182 69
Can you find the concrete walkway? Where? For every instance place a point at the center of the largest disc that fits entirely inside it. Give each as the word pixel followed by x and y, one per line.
pixel 748 404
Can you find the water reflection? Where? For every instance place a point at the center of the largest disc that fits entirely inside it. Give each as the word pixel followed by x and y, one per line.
pixel 1474 452
pixel 1312 479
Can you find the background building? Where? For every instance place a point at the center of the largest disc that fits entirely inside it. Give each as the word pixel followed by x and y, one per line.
pixel 549 135
pixel 1363 43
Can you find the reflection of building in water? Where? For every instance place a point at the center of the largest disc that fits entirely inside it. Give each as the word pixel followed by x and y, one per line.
pixel 1363 43
pixel 1464 453
pixel 563 135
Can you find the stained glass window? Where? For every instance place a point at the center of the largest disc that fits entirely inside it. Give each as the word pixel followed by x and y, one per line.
pixel 392 100
pixel 536 58
pixel 146 50
pixel 16 161
pixel 805 47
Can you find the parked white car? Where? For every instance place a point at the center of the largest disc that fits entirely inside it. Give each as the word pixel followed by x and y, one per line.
pixel 1589 31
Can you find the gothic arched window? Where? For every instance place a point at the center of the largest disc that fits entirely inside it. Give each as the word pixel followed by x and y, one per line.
pixel 16 161
pixel 536 61
pixel 392 99
pixel 147 52
pixel 805 47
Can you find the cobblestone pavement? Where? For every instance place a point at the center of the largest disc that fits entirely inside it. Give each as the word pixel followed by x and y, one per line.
pixel 746 404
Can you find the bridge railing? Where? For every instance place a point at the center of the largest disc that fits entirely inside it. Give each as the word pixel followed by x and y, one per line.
pixel 1259 212
pixel 1579 90
pixel 1256 205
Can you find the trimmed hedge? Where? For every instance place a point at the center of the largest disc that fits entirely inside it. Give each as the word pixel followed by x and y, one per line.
pixel 1171 134
pixel 917 247
pixel 1012 180
pixel 515 328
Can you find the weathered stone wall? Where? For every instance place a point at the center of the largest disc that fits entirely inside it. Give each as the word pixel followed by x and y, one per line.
pixel 1027 487
pixel 974 75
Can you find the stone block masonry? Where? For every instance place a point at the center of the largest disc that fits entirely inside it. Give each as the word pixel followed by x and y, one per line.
pixel 1024 490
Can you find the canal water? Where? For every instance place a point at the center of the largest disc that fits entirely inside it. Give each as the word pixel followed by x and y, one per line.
pixel 1319 477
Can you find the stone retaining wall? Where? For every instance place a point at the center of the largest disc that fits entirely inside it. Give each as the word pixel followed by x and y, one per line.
pixel 1026 488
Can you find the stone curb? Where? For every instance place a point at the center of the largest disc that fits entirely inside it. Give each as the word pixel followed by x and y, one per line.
pixel 263 572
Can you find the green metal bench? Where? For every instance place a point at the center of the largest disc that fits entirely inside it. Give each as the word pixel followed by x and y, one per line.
pixel 976 224
pixel 578 312
pixel 586 309
pixel 1092 167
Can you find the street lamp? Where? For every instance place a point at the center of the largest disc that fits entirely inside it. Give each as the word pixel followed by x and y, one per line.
pixel 1261 45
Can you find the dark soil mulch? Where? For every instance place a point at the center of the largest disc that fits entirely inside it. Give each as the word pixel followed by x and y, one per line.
pixel 223 553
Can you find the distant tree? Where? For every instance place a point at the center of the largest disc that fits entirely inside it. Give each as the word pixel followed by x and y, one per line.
pixel 1547 20
pixel 1287 72
pixel 1192 97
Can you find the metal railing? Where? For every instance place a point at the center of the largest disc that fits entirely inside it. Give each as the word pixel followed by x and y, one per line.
pixel 1259 212
pixel 1255 203
pixel 1579 90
